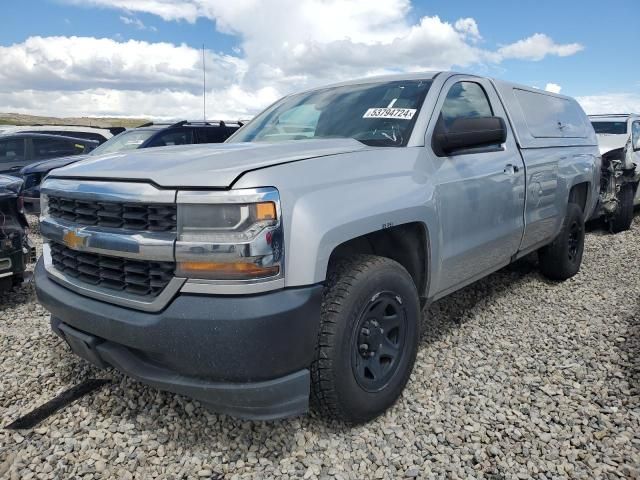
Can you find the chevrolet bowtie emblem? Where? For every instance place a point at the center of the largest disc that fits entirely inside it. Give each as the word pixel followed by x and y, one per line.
pixel 74 240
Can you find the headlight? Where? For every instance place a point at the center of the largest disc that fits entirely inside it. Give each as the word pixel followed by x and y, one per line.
pixel 231 235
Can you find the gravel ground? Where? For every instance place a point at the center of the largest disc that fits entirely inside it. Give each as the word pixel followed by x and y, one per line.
pixel 516 377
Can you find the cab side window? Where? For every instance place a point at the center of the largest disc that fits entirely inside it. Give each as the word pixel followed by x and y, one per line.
pixel 635 135
pixel 464 100
pixel 11 150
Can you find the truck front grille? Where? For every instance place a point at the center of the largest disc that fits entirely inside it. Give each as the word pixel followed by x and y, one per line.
pixel 115 273
pixel 154 217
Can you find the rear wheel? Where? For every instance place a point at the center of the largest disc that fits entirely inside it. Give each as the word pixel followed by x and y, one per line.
pixel 621 220
pixel 368 338
pixel 562 258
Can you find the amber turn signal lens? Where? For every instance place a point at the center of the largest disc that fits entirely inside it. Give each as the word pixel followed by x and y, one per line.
pixel 265 211
pixel 226 271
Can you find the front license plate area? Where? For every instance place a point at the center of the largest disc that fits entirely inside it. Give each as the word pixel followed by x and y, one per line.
pixel 82 344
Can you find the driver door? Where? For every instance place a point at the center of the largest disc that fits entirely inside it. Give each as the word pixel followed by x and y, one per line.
pixel 479 191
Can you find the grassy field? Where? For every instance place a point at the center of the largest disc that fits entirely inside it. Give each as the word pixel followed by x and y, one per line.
pixel 20 119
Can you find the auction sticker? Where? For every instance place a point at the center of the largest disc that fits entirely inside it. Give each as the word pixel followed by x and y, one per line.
pixel 400 113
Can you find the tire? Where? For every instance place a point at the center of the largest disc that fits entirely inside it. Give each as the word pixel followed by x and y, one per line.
pixel 561 259
pixel 623 217
pixel 370 304
pixel 5 284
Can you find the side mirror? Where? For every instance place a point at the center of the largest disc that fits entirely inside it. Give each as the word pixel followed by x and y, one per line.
pixel 468 133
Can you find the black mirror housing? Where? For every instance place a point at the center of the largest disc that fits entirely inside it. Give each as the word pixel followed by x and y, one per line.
pixel 467 133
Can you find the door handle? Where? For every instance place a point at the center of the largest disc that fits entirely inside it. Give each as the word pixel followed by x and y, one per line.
pixel 511 169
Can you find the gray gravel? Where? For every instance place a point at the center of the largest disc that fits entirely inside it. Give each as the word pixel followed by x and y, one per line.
pixel 516 377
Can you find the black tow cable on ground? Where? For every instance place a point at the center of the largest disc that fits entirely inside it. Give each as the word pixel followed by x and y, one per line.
pixel 34 417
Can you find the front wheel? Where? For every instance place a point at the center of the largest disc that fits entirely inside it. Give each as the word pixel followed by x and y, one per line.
pixel 562 258
pixel 368 338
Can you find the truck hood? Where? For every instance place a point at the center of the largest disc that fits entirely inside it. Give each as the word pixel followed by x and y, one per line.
pixel 608 142
pixel 207 166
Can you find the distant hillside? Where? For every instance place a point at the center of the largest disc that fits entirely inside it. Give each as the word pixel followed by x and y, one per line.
pixel 20 119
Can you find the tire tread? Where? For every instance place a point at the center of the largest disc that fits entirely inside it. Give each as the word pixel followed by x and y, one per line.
pixel 341 279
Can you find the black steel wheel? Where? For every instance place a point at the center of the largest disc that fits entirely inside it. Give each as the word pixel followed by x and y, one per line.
pixel 378 341
pixel 368 338
pixel 576 235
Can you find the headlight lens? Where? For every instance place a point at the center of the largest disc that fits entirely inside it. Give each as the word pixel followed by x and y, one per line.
pixel 229 236
pixel 225 223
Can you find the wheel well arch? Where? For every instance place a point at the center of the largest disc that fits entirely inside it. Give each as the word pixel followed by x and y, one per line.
pixel 579 194
pixel 408 244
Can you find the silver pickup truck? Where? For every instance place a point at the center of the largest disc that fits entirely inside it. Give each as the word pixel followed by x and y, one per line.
pixel 292 262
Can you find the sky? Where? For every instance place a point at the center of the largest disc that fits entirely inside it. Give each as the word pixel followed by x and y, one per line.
pixel 143 58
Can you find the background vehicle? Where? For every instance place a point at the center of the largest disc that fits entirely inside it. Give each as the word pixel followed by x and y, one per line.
pixel 293 260
pixel 100 135
pixel 15 249
pixel 619 140
pixel 146 136
pixel 5 127
pixel 18 150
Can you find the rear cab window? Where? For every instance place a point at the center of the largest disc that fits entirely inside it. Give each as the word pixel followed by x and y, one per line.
pixel 548 116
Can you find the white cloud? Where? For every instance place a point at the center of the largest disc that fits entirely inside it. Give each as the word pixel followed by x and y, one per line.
pixel 231 103
pixel 284 45
pixel 553 88
pixel 537 47
pixel 468 27
pixel 137 23
pixel 610 103
pixel 79 63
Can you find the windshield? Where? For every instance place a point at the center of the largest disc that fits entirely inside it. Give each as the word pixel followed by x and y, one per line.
pixel 378 114
pixel 129 140
pixel 613 128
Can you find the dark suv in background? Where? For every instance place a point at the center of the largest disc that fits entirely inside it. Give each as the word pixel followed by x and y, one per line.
pixel 18 150
pixel 149 135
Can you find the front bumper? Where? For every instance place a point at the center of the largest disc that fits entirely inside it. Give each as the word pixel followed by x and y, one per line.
pixel 247 356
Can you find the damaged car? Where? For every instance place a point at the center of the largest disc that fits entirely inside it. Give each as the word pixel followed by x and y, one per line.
pixel 619 142
pixel 16 250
